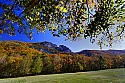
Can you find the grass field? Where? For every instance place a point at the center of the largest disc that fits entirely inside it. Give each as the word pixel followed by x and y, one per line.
pixel 101 76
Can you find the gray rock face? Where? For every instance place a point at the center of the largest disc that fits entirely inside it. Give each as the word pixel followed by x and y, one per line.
pixel 63 48
pixel 43 50
pixel 49 44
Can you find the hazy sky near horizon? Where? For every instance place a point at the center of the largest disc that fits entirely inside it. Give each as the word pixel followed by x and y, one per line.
pixel 83 44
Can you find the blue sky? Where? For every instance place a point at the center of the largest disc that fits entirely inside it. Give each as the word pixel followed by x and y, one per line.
pixel 83 44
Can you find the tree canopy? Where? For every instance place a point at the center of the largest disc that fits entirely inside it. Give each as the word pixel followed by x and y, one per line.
pixel 100 20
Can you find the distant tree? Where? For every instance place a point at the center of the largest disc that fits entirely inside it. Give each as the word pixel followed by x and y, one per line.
pixel 25 65
pixel 102 62
pixel 97 19
pixel 48 66
pixel 117 62
pixel 56 60
pixel 36 65
pixel 123 60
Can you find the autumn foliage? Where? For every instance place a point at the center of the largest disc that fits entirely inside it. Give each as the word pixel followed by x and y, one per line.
pixel 18 59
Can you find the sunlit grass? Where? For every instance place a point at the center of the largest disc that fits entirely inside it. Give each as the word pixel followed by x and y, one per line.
pixel 101 76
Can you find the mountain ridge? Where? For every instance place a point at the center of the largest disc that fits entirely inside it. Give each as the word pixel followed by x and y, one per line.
pixel 65 49
pixel 101 52
pixel 50 48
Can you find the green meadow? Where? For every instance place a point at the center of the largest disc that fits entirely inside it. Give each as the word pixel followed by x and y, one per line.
pixel 100 76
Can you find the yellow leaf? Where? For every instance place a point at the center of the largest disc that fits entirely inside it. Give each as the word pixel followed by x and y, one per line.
pixel 64 10
pixel 31 19
pixel 37 13
pixel 80 0
pixel 44 14
pixel 56 6
pixel 61 2
pixel 61 8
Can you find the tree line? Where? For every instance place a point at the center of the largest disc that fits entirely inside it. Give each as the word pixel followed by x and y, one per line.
pixel 17 59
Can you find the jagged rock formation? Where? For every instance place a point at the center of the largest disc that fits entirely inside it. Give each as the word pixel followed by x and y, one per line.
pixel 49 47
pixel 63 48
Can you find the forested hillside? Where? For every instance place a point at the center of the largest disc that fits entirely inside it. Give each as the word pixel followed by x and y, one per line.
pixel 101 52
pixel 17 59
pixel 21 59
